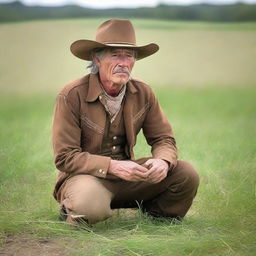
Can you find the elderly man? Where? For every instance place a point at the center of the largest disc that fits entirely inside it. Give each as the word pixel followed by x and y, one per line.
pixel 96 121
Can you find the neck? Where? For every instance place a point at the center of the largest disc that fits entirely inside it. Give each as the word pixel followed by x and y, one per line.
pixel 112 89
pixel 113 94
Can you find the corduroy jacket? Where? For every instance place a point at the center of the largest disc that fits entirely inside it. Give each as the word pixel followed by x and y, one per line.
pixel 79 123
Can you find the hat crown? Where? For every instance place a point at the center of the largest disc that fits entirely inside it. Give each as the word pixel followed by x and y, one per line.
pixel 116 31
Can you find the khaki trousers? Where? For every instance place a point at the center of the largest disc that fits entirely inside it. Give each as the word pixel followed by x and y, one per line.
pixel 95 198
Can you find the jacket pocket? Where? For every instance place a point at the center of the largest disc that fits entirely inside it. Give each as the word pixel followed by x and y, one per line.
pixel 91 125
pixel 138 116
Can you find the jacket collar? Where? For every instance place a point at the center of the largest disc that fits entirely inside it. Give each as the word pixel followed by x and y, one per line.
pixel 130 87
pixel 95 89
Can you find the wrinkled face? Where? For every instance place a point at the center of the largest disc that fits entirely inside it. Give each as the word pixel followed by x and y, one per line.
pixel 115 68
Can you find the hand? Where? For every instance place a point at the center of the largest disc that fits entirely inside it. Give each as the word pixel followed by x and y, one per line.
pixel 128 170
pixel 158 170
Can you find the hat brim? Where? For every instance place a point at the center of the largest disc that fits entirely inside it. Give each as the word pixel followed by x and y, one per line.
pixel 83 48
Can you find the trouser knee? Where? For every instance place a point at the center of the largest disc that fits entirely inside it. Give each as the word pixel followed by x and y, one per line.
pixel 84 196
pixel 92 213
pixel 182 188
pixel 186 175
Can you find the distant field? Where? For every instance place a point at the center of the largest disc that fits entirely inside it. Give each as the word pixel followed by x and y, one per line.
pixel 204 77
pixel 35 56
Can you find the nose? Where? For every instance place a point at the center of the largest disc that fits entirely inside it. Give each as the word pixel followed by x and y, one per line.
pixel 122 65
pixel 123 61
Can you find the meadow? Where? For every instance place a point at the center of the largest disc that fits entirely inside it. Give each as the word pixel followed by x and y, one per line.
pixel 205 80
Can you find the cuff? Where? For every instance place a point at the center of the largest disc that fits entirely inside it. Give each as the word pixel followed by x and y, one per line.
pixel 99 165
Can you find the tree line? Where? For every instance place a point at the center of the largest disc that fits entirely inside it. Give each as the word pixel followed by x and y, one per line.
pixel 239 12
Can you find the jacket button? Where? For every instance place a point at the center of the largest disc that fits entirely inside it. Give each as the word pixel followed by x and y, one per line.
pixel 114 147
pixel 114 138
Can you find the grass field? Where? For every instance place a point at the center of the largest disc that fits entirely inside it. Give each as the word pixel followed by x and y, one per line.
pixel 207 91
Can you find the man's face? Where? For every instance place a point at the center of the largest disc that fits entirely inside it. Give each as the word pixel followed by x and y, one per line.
pixel 115 68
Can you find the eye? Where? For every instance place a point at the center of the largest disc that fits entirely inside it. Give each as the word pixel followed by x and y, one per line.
pixel 129 54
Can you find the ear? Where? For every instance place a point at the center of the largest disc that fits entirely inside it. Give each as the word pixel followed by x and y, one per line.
pixel 96 60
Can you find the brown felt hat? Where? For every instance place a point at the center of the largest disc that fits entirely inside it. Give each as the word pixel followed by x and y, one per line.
pixel 112 33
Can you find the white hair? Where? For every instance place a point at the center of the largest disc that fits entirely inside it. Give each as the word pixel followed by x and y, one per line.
pixel 92 65
pixel 99 53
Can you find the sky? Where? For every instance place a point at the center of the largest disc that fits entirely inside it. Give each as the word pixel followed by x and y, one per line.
pixel 122 3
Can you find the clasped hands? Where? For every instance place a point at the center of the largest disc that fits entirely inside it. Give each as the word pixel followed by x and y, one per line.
pixel 152 171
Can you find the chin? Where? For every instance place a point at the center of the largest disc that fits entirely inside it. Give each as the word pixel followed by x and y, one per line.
pixel 121 79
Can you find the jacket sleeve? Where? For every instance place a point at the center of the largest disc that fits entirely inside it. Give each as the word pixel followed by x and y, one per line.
pixel 66 139
pixel 159 134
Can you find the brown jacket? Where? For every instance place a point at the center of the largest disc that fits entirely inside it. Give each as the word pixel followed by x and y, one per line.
pixel 79 121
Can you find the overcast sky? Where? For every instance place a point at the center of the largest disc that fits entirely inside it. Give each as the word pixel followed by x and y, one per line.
pixel 122 3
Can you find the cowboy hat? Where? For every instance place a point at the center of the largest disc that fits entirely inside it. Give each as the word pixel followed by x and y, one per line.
pixel 112 33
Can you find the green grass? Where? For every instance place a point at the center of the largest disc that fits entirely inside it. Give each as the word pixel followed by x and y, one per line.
pixel 205 81
pixel 214 130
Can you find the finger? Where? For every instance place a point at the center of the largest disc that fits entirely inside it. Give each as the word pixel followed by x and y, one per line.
pixel 146 166
pixel 157 179
pixel 161 177
pixel 157 176
pixel 133 177
pixel 154 170
pixel 152 180
pixel 141 168
pixel 148 163
pixel 143 175
pixel 134 174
